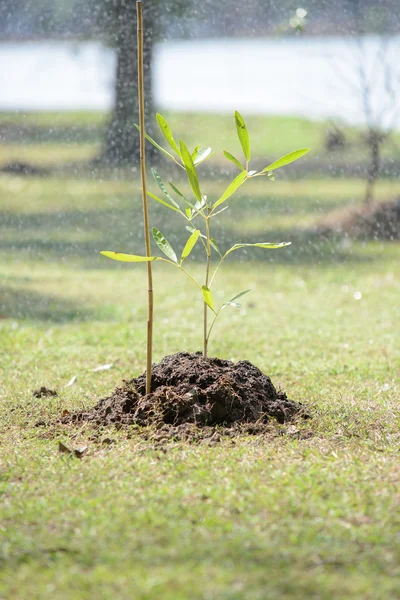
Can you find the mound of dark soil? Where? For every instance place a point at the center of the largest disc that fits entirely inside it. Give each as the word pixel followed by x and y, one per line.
pixel 377 221
pixel 188 389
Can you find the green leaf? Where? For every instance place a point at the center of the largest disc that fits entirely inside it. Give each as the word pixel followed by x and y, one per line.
pixel 231 189
pixel 195 152
pixel 208 299
pixel 239 295
pixel 219 211
pixel 183 197
pixel 193 229
pixel 199 205
pixel 127 257
pixel 235 161
pixel 163 244
pixel 160 148
pixel 267 245
pixel 285 160
pixel 167 133
pixel 202 155
pixel 232 301
pixel 161 201
pixel 162 187
pixel 188 212
pixel 234 304
pixel 190 244
pixel 179 193
pixel 243 135
pixel 214 245
pixel 190 171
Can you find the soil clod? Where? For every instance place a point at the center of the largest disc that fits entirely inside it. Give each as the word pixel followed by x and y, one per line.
pixel 44 392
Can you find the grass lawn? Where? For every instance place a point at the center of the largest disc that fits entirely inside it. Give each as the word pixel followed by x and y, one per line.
pixel 310 512
pixel 271 137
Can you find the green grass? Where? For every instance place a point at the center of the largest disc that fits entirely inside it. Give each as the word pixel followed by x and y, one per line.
pixel 272 136
pixel 311 512
pixel 46 155
pixel 49 119
pixel 59 218
pixel 269 135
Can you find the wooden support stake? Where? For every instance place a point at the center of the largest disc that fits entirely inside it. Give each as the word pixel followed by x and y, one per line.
pixel 139 13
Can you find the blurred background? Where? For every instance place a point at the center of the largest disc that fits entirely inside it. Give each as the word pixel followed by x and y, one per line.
pixel 322 74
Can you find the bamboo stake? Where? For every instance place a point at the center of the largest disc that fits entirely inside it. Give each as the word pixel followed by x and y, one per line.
pixel 139 13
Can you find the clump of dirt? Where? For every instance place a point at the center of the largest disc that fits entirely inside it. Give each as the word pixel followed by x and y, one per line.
pixel 44 392
pixel 377 221
pixel 191 393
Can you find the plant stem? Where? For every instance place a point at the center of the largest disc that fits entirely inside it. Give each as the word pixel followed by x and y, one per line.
pixel 174 264
pixel 216 268
pixel 212 324
pixel 208 252
pixel 189 275
pixel 139 13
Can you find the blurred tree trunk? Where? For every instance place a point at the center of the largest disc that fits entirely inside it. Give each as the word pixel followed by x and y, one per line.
pixel 374 141
pixel 121 144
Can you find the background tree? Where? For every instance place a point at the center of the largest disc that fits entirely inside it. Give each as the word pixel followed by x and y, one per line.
pixel 380 119
pixel 114 21
pixel 121 144
pixel 375 81
pixel 118 18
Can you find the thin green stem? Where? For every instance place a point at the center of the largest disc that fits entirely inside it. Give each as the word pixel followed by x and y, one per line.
pixel 213 323
pixel 257 175
pixel 189 275
pixel 208 251
pixel 216 269
pixel 174 264
pixel 204 244
pixel 178 163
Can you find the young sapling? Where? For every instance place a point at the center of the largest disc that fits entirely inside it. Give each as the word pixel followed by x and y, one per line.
pixel 199 211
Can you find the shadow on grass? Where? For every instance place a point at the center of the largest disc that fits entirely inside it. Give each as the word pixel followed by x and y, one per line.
pixel 25 134
pixel 23 303
pixel 82 234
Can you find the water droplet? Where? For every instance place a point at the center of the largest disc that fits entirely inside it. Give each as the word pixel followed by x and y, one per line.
pixel 301 13
pixel 357 295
